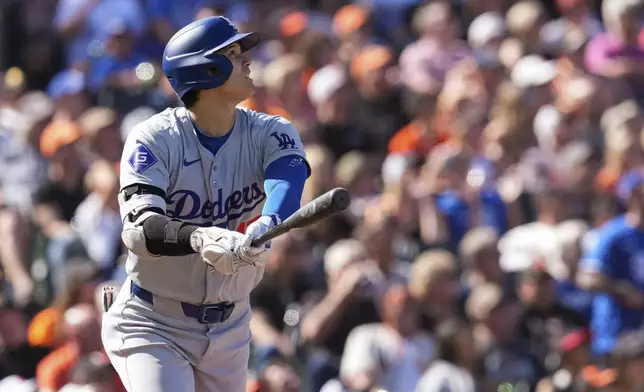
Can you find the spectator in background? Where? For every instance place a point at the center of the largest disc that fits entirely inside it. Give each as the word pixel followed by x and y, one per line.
pixel 93 373
pixel 167 18
pixel 80 280
pixel 518 248
pixel 324 233
pixel 68 90
pixel 352 281
pixel 424 63
pixel 390 355
pixel 17 357
pixel 330 93
pixel 453 366
pixel 612 269
pixel 462 200
pixel 571 235
pixel 100 128
pixel 41 53
pixel 622 152
pixel 572 373
pixel 357 172
pixel 82 24
pixel 618 53
pixel 504 356
pixel 58 142
pixel 353 26
pixel 378 238
pixel 375 112
pixel 23 169
pixel 628 359
pixel 14 256
pixel 525 20
pixel 281 290
pixel 536 75
pixel 117 67
pixel 487 32
pixel 490 71
pixel 286 94
pixel 66 169
pixel 491 148
pixel 62 243
pixel 544 321
pixel 277 376
pixel 479 255
pixel 576 18
pixel 316 48
pixel 82 337
pixel 433 286
pixel 322 176
pixel 421 135
pixel 71 22
pixel 97 221
pixel 293 24
pixel 462 108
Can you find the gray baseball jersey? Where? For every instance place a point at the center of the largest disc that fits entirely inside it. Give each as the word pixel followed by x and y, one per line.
pixel 224 190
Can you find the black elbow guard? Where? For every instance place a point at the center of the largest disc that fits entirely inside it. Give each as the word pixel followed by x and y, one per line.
pixel 168 237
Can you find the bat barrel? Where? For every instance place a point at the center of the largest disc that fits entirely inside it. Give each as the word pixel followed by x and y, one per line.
pixel 330 203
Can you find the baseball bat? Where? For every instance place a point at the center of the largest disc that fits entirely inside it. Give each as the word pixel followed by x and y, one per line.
pixel 329 204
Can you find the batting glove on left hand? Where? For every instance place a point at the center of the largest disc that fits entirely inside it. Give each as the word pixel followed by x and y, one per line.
pixel 257 256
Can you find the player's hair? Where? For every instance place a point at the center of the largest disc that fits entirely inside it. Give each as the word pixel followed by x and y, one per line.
pixel 190 99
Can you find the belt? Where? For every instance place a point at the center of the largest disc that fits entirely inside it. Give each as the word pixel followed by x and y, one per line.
pixel 205 314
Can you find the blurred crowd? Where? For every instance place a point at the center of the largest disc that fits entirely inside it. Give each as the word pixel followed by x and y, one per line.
pixel 494 151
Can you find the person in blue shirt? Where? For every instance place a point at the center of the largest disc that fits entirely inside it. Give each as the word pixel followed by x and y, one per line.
pixel 465 202
pixel 117 67
pixel 82 23
pixel 613 268
pixel 168 16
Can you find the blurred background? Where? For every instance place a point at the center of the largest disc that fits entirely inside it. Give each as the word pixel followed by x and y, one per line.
pixel 493 150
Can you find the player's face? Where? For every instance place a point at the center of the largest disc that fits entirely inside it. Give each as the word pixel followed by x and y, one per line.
pixel 239 85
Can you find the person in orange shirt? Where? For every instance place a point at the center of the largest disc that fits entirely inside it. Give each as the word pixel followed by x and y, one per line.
pixel 420 136
pixel 82 337
pixel 80 282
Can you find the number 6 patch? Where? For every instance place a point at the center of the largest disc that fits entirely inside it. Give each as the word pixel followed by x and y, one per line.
pixel 142 159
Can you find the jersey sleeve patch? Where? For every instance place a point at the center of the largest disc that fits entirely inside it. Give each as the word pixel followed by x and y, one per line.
pixel 284 141
pixel 142 159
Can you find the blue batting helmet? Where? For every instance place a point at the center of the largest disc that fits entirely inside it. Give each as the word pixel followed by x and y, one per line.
pixel 190 61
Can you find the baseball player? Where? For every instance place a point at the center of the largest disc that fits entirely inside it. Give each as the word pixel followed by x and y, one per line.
pixel 198 183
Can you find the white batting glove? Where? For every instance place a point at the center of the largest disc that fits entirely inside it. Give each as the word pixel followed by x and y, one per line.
pixel 257 255
pixel 217 248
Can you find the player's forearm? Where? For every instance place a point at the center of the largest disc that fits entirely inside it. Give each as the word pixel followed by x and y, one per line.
pixel 168 237
pixel 284 184
pixel 147 231
pixel 151 234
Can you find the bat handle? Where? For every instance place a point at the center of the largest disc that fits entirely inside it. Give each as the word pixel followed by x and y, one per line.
pixel 269 235
pixel 257 241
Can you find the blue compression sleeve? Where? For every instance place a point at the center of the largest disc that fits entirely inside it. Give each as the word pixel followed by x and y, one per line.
pixel 284 182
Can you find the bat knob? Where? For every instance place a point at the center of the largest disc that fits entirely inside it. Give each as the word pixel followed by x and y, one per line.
pixel 340 199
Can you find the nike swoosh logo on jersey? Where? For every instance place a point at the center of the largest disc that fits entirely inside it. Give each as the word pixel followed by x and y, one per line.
pixel 188 163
